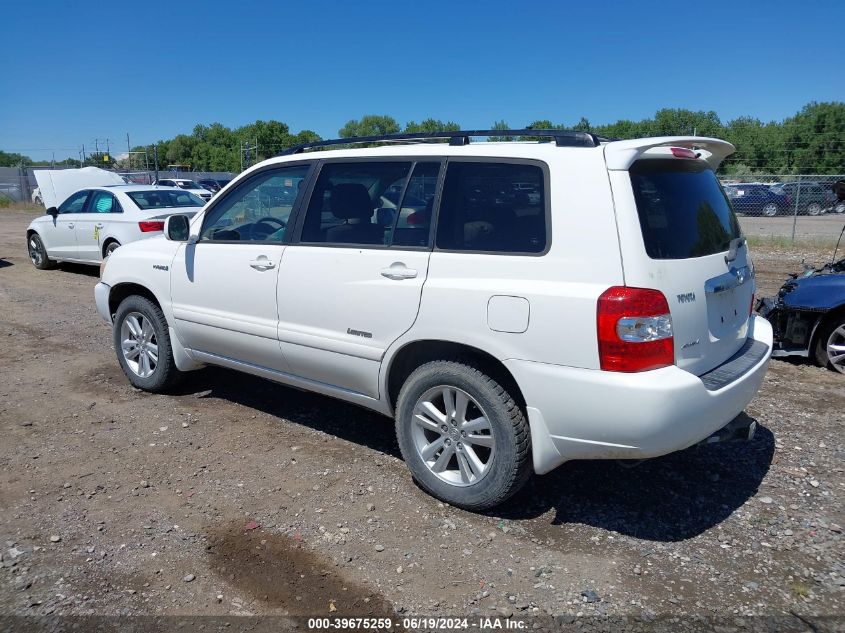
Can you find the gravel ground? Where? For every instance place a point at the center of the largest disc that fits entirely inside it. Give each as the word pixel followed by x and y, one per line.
pixel 821 228
pixel 237 496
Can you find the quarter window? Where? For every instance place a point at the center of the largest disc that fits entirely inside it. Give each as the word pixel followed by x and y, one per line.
pixel 351 203
pixel 493 207
pixel 258 210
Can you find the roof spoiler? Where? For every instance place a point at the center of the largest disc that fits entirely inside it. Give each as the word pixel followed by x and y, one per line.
pixel 622 154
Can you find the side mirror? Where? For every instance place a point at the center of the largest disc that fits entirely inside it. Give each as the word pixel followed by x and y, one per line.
pixel 53 212
pixel 177 228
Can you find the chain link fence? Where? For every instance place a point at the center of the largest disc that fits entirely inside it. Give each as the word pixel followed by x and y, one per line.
pixel 788 206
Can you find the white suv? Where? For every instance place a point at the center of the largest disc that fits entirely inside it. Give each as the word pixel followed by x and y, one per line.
pixel 608 317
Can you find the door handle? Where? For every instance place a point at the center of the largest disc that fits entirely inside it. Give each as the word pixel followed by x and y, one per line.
pixel 262 263
pixel 70 225
pixel 398 271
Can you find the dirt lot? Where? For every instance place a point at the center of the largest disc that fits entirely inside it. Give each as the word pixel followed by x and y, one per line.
pixel 238 496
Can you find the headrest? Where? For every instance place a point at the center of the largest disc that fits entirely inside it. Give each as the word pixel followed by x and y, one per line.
pixel 350 200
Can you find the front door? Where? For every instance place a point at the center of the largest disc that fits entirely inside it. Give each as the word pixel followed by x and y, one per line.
pixel 60 234
pixel 223 286
pixel 352 286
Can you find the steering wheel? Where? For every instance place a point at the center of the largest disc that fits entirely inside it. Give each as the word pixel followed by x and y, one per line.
pixel 256 233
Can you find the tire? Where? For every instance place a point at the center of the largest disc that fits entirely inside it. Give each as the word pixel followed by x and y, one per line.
pixel 839 207
pixel 814 208
pixel 490 460
pixel 770 210
pixel 831 332
pixel 111 247
pixel 139 323
pixel 37 253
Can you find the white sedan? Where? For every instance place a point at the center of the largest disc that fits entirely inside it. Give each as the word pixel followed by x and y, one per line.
pixel 93 222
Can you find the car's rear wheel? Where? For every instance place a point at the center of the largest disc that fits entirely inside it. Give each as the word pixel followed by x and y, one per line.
pixel 814 208
pixel 463 436
pixel 37 253
pixel 839 207
pixel 770 209
pixel 142 344
pixel 830 344
pixel 111 247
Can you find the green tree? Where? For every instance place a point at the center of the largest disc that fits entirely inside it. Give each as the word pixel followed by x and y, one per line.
pixel 431 125
pixel 369 125
pixel 13 160
pixel 814 139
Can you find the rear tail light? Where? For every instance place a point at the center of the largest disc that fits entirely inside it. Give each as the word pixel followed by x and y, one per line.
pixel 634 330
pixel 148 226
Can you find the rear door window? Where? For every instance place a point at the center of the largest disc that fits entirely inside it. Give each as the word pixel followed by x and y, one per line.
pixel 682 209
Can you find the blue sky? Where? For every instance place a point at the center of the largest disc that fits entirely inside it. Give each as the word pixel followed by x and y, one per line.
pixel 86 70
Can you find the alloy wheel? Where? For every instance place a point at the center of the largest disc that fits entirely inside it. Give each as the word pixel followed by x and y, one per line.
pixel 770 209
pixel 836 348
pixel 453 435
pixel 34 248
pixel 138 343
pixel 814 208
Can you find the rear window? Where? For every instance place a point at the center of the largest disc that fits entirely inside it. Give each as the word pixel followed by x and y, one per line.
pixel 683 210
pixel 162 199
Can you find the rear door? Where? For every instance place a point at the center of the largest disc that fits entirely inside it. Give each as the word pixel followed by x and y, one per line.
pixel 679 235
pixel 94 223
pixel 352 284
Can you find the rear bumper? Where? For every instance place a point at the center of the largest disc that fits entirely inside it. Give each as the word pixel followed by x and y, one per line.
pixel 101 297
pixel 590 414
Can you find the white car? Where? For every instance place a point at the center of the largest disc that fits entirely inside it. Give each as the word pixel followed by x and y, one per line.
pixel 187 185
pixel 609 317
pixel 93 222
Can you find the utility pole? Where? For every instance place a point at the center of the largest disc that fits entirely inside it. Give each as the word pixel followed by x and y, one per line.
pixel 128 152
pixel 83 155
pixel 155 157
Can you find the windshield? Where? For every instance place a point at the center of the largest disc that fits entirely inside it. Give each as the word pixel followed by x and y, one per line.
pixel 683 211
pixel 187 184
pixel 163 199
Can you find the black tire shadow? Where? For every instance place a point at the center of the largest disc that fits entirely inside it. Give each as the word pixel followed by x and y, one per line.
pixel 321 413
pixel 5 263
pixel 89 270
pixel 670 498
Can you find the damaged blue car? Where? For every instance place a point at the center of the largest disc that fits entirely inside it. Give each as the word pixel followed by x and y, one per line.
pixel 808 315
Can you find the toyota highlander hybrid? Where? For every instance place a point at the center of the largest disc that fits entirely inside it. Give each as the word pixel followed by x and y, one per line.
pixel 512 305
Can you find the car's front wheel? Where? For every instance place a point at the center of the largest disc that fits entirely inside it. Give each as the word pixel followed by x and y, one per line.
pixel 463 436
pixel 37 253
pixel 770 209
pixel 830 344
pixel 143 347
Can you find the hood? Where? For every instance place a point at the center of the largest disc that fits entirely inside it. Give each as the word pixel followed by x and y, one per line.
pixel 57 184
pixel 817 293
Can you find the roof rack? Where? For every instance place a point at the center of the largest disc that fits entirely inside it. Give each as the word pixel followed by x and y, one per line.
pixel 562 138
